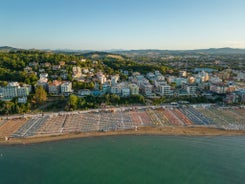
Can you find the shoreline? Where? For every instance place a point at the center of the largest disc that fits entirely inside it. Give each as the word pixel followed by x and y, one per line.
pixel 168 131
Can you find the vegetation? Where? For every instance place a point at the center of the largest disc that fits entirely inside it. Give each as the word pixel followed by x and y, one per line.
pixel 134 66
pixel 82 85
pixel 40 95
pixel 13 107
pixel 75 103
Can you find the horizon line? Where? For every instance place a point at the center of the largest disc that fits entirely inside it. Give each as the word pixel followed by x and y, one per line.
pixel 57 49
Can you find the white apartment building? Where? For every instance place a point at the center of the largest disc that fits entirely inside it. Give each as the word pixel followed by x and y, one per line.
pixel 171 79
pixel 165 90
pixel 101 77
pixel 54 87
pixel 76 72
pixel 106 87
pixel 219 88
pixel 24 91
pixel 190 89
pixel 1 92
pixel 134 89
pixel 114 79
pixel 117 89
pixel 146 88
pixel 66 88
pixel 22 99
pixel 159 83
pixel 125 91
pixel 13 89
pixel 150 76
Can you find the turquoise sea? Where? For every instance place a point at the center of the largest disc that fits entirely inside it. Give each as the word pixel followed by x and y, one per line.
pixel 126 159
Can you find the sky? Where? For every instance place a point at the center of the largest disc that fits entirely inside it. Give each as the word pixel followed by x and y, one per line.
pixel 122 24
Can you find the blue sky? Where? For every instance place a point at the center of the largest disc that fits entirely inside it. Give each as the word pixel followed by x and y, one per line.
pixel 122 24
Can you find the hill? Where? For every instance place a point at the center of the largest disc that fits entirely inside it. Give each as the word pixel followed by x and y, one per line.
pixel 146 52
pixel 211 51
pixel 99 55
pixel 7 49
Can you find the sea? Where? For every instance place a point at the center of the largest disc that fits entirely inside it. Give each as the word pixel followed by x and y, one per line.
pixel 126 159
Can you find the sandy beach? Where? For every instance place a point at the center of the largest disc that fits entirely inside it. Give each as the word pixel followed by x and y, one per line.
pixel 174 131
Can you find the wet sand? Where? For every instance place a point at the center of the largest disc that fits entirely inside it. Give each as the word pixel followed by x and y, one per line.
pixel 174 131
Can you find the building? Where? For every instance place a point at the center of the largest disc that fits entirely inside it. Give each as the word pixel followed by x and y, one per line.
pixel 33 64
pixel 11 90
pixel 219 88
pixel 158 83
pixel 114 79
pixel 84 92
pixel 28 69
pixel 215 80
pixel 231 98
pixel 171 79
pixel 101 77
pixel 62 63
pixel 64 76
pixel 24 91
pixel 85 70
pixel 240 76
pixel 66 88
pixel 150 76
pixel 134 89
pixel 241 94
pixel 202 77
pixel 54 87
pixel 117 89
pixel 43 84
pixel 43 81
pixel 76 72
pixel 191 89
pixel 146 89
pixel 180 81
pixel 191 80
pixel 56 67
pixel 159 77
pixel 183 73
pixel 125 91
pixel 1 92
pixel 46 64
pixel 43 76
pixel 165 90
pixel 225 75
pixel 125 72
pixel 22 99
pixel 106 87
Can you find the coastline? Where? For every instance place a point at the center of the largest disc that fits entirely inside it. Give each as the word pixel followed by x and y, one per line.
pixel 172 131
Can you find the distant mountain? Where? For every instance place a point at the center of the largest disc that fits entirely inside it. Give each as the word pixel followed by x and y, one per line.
pixel 7 49
pixel 146 52
pixel 211 51
pixel 70 51
pixel 225 50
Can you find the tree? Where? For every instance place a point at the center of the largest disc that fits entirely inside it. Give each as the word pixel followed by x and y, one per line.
pixel 40 95
pixel 115 99
pixel 72 102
